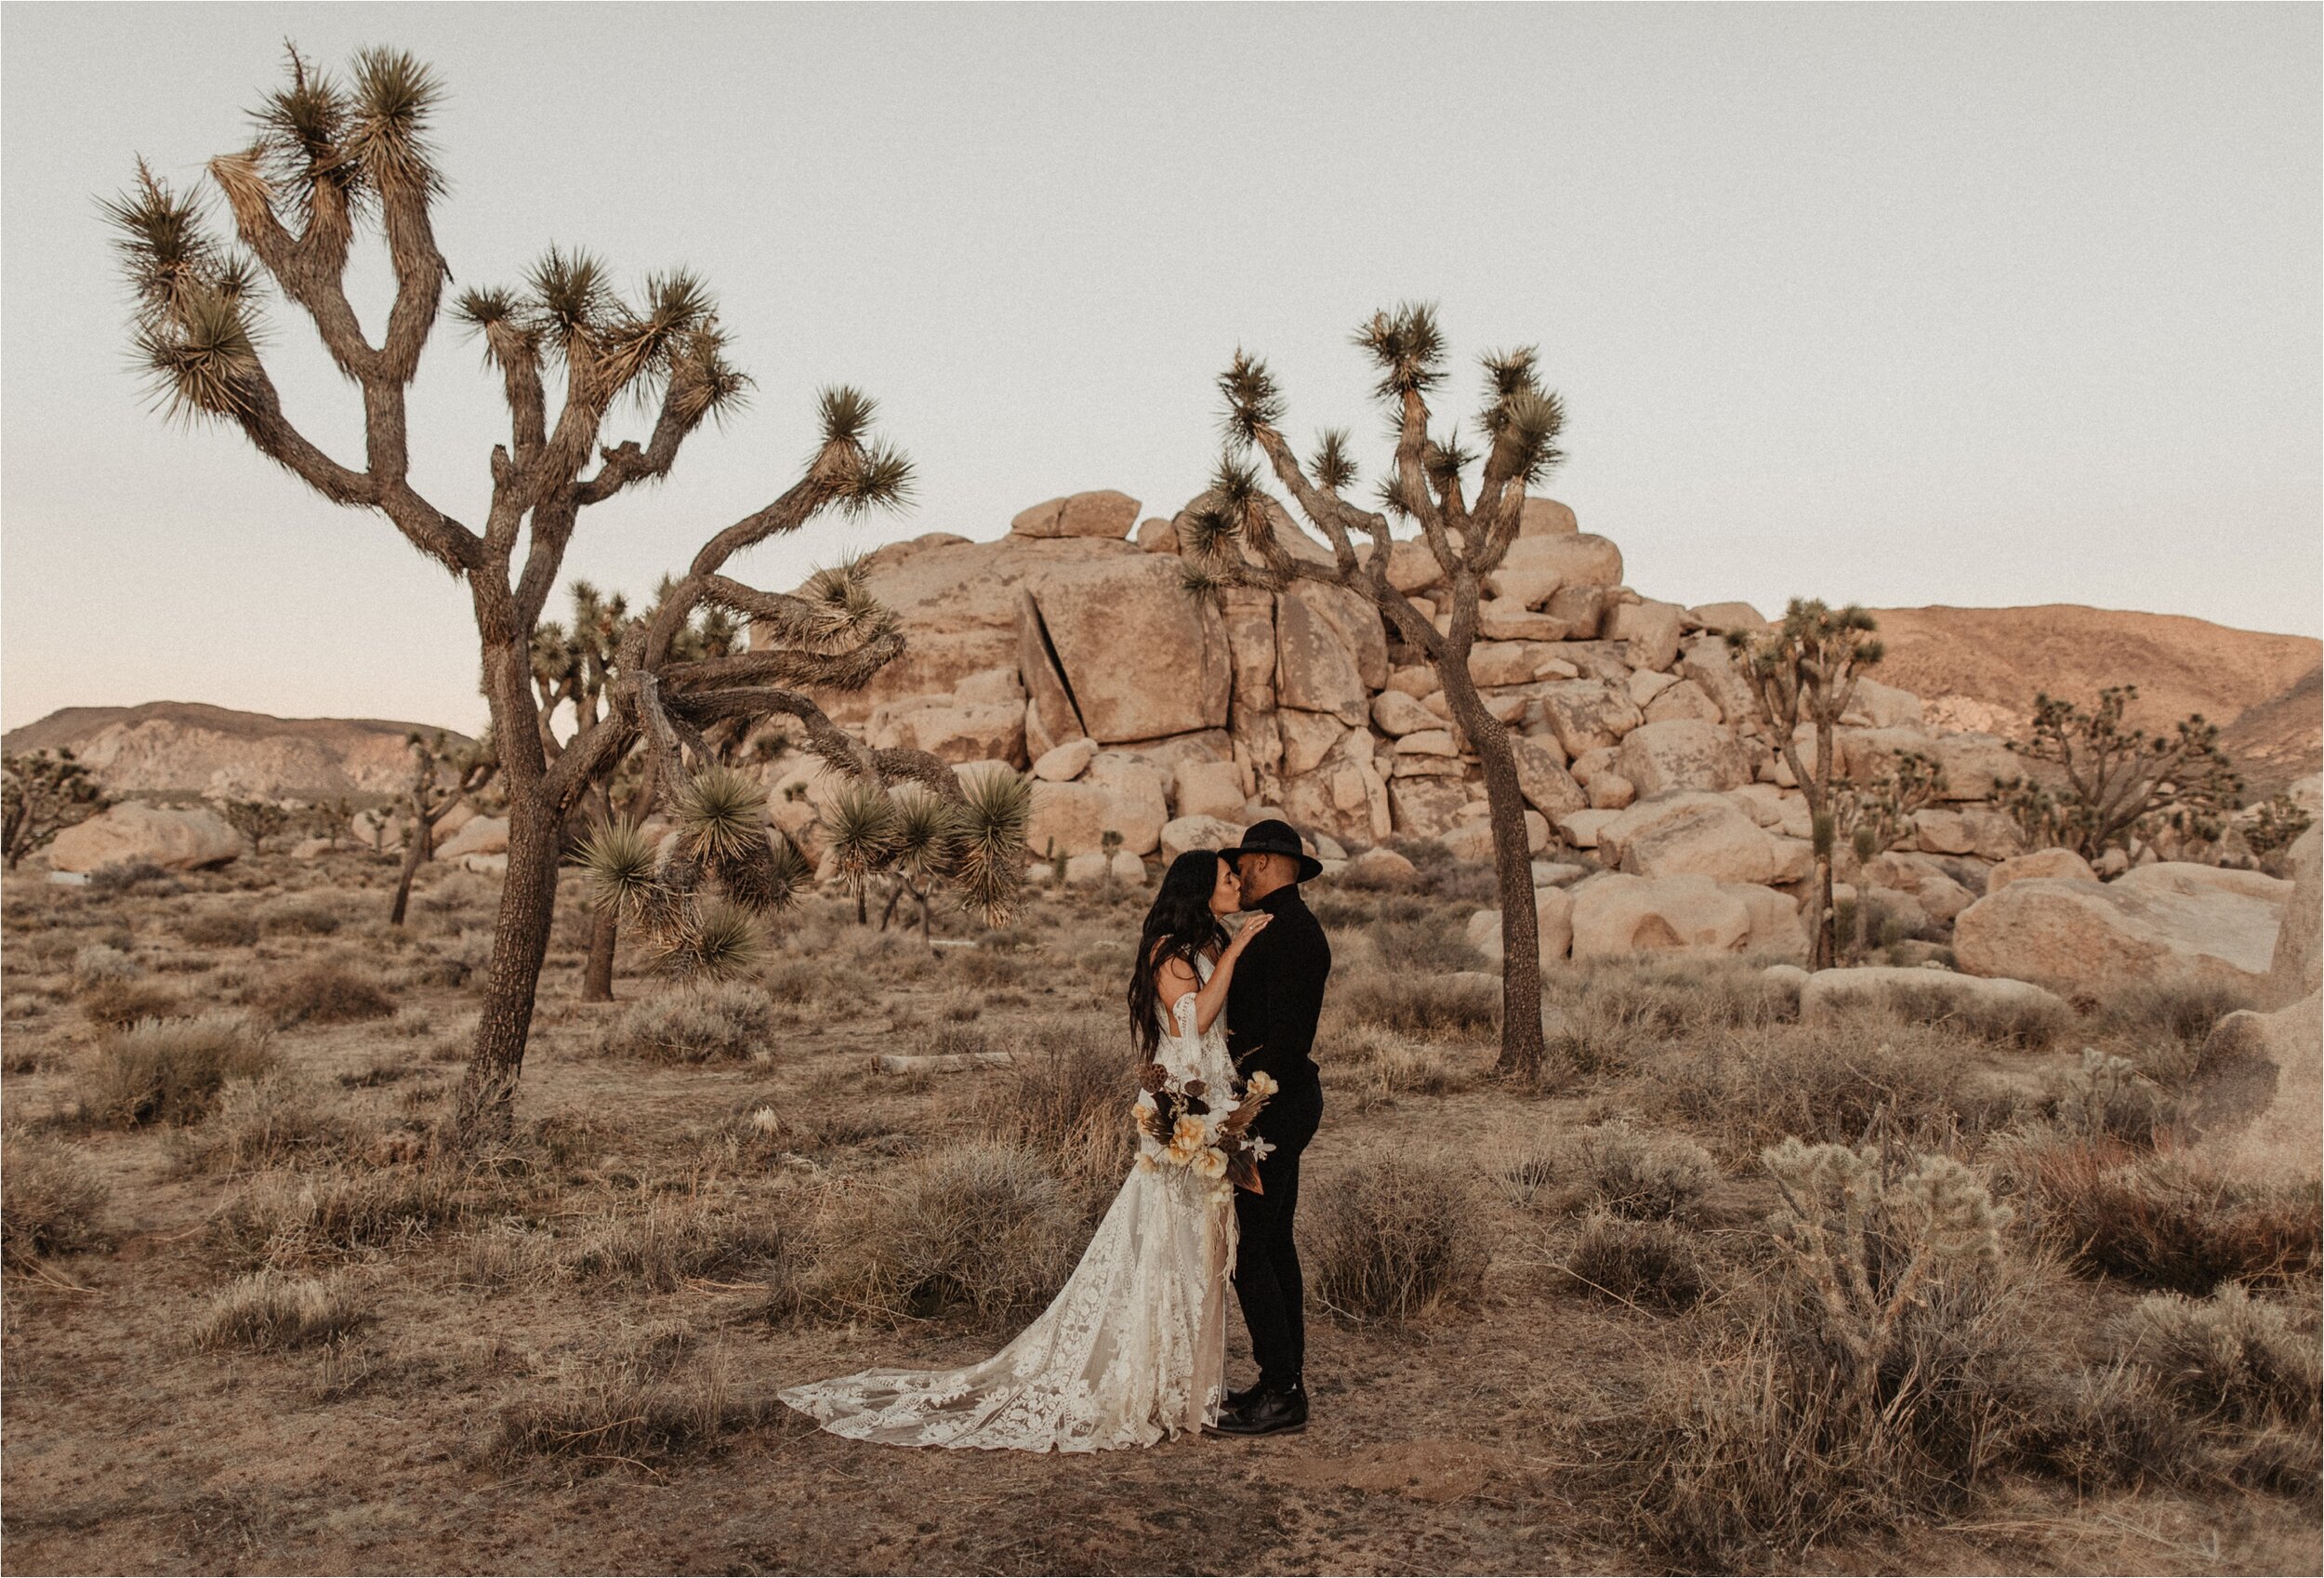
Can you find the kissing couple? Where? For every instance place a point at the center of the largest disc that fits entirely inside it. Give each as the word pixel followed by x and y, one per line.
pixel 1133 1348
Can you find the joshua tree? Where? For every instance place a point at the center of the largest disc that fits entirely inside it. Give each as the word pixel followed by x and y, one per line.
pixel 2275 824
pixel 1876 816
pixel 2119 784
pixel 42 793
pixel 257 820
pixel 332 160
pixel 1234 543
pixel 442 778
pixel 1806 670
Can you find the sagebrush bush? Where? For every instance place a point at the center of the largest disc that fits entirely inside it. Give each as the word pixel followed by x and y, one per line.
pixel 98 963
pixel 114 1004
pixel 132 876
pixel 311 915
pixel 50 1196
pixel 1394 1237
pixel 1384 1064
pixel 171 1070
pixel 321 993
pixel 2028 1026
pixel 673 1239
pixel 719 1023
pixel 1642 1176
pixel 626 1411
pixel 279 1216
pixel 1067 1094
pixel 1434 943
pixel 2228 1357
pixel 268 1122
pixel 2169 1220
pixel 2102 1427
pixel 1651 1264
pixel 979 1227
pixel 1754 1085
pixel 267 1309
pixel 2162 1025
pixel 1432 1007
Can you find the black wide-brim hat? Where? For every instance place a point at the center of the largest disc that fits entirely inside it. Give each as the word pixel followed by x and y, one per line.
pixel 1273 837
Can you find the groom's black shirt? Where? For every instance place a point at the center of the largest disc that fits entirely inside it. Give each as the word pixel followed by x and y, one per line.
pixel 1278 994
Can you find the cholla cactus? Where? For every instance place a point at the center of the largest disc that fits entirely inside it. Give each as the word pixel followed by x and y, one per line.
pixel 1837 1199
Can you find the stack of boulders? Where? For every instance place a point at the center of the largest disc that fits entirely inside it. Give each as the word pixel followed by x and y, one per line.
pixel 1071 648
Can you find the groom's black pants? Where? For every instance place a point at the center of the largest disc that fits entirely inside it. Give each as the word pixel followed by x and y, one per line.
pixel 1267 1281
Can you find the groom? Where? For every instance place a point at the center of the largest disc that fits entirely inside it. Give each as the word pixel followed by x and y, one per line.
pixel 1271 1006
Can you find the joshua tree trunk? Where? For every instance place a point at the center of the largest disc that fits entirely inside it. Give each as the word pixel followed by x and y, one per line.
pixel 1522 1042
pixel 415 853
pixel 528 899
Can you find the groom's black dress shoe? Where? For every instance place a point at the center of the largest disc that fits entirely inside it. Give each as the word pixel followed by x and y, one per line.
pixel 1234 1401
pixel 1269 1413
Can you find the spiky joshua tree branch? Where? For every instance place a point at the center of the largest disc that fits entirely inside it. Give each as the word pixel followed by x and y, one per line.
pixel 1235 543
pixel 335 159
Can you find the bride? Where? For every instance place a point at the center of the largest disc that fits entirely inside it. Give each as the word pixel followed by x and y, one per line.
pixel 1133 1347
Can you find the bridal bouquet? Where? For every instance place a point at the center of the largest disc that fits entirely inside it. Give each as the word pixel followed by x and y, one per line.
pixel 1177 1116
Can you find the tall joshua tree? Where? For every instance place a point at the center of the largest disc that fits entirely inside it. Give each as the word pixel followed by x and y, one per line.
pixel 1235 544
pixel 333 160
pixel 2118 785
pixel 1806 670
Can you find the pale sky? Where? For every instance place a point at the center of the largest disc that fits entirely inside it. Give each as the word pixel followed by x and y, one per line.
pixel 1905 305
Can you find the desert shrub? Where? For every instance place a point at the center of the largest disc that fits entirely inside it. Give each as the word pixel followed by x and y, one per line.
pixel 114 1004
pixel 321 994
pixel 980 967
pixel 1394 1238
pixel 266 1121
pixel 673 1239
pixel 978 1227
pixel 267 1309
pixel 311 915
pixel 1647 1177
pixel 1433 1007
pixel 1436 944
pixel 1067 1095
pixel 1651 1264
pixel 1875 1386
pixel 1442 875
pixel 101 963
pixel 503 1254
pixel 2167 1220
pixel 2098 1428
pixel 171 1070
pixel 626 1410
pixel 2107 1097
pixel 133 876
pixel 50 1196
pixel 793 982
pixel 2162 1025
pixel 2229 1356
pixel 725 1022
pixel 282 1216
pixel 2029 1026
pixel 1520 1160
pixel 1753 1086
pixel 1382 1064
pixel 1609 1017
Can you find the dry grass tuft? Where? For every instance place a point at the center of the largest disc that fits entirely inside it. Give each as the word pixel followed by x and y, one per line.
pixel 673 1241
pixel 1611 1016
pixel 2029 1026
pixel 1067 1094
pixel 1652 1264
pixel 982 1228
pixel 2167 1220
pixel 268 1122
pixel 1382 1064
pixel 321 993
pixel 629 1412
pixel 1431 1007
pixel 280 1217
pixel 1395 1239
pixel 724 1023
pixel 1645 1176
pixel 219 928
pixel 113 1005
pixel 171 1070
pixel 50 1196
pixel 270 1310
pixel 2229 1356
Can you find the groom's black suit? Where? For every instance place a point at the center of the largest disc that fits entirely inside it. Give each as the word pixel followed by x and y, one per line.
pixel 1271 1006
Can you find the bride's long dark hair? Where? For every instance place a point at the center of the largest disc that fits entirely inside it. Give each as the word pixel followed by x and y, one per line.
pixel 1178 926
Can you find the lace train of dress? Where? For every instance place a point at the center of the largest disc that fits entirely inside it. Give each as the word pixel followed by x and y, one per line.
pixel 1131 1350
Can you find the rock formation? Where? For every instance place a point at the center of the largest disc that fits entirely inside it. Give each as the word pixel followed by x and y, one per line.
pixel 188 748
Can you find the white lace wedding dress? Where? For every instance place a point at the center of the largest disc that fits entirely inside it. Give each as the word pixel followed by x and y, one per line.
pixel 1133 1347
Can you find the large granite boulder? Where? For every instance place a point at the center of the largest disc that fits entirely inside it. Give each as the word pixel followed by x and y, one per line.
pixel 1616 913
pixel 1692 834
pixel 2295 969
pixel 1933 888
pixel 1649 632
pixel 1207 788
pixel 1546 517
pixel 950 729
pixel 2194 880
pixel 1876 706
pixel 1586 714
pixel 2095 937
pixel 1318 666
pixel 1138 657
pixel 2258 1104
pixel 1553 911
pixel 1426 808
pixel 1537 566
pixel 1547 787
pixel 479 835
pixel 1183 833
pixel 1711 667
pixel 173 840
pixel 1827 990
pixel 1114 794
pixel 1104 513
pixel 2062 863
pixel 1681 753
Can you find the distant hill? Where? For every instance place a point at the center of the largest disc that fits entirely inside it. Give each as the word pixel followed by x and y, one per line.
pixel 1980 667
pixel 192 747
